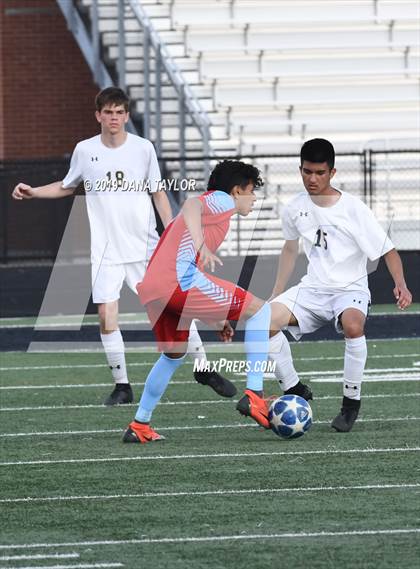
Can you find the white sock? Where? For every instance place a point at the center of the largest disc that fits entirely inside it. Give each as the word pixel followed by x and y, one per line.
pixel 355 356
pixel 114 350
pixel 281 354
pixel 195 345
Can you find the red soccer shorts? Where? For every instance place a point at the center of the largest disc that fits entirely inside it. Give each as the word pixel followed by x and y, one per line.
pixel 171 319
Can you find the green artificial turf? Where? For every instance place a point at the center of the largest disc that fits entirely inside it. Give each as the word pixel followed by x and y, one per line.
pixel 219 492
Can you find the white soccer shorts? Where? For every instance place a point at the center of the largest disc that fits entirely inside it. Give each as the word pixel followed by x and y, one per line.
pixel 313 308
pixel 107 280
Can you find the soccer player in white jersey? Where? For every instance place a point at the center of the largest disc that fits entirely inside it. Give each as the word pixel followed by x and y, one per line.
pixel 119 170
pixel 339 234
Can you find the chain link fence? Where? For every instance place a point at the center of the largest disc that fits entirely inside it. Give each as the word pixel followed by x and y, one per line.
pixel 389 182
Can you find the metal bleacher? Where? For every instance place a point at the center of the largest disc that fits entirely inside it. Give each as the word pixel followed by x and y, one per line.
pixel 261 76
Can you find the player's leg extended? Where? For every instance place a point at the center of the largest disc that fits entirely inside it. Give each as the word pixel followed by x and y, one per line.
pixel 113 344
pixel 139 430
pixel 215 300
pixel 252 404
pixel 355 355
pixel 281 354
pixel 172 338
pixel 107 281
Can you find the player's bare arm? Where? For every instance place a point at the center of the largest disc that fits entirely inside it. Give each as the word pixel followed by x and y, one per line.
pixel 54 190
pixel 161 201
pixel 287 262
pixel 395 268
pixel 192 210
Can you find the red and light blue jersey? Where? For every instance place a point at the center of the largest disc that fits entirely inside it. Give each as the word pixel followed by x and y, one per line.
pixel 175 262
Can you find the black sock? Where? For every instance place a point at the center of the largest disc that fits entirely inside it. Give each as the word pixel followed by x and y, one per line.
pixel 351 403
pixel 122 386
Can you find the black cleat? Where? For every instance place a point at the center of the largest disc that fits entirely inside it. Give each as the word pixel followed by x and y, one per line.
pixel 121 395
pixel 345 420
pixel 300 389
pixel 219 384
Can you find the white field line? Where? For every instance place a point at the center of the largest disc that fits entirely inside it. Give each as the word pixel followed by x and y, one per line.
pixel 190 428
pixel 78 385
pixel 140 364
pixel 62 407
pixel 39 556
pixel 412 376
pixel 129 319
pixel 134 320
pixel 77 366
pixel 210 456
pixel 150 348
pixel 399 377
pixel 169 403
pixel 58 325
pixel 367 371
pixel 380 379
pixel 211 493
pixel 243 537
pixel 373 371
pixel 395 313
pixel 72 566
pixel 406 374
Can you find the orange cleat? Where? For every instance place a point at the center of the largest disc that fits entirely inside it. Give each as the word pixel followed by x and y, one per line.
pixel 141 433
pixel 251 405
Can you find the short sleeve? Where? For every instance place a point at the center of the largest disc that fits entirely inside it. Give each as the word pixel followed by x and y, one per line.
pixel 74 175
pixel 370 236
pixel 290 231
pixel 215 203
pixel 153 174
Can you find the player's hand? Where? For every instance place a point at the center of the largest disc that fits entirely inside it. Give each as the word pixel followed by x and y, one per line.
pixel 227 332
pixel 402 295
pixel 207 258
pixel 23 192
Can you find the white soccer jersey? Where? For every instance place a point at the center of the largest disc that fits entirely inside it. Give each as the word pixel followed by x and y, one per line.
pixel 337 240
pixel 117 180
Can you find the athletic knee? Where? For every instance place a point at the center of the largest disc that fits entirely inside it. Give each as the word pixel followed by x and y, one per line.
pixel 108 317
pixel 353 330
pixel 253 307
pixel 280 317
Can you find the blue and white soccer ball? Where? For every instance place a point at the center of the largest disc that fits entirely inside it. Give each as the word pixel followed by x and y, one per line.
pixel 290 416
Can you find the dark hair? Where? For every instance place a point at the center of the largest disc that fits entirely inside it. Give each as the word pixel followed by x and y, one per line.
pixel 318 150
pixel 111 96
pixel 230 173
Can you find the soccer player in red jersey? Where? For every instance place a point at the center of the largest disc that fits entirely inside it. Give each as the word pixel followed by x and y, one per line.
pixel 177 289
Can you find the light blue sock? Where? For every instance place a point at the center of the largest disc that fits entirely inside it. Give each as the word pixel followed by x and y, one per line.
pixel 156 383
pixel 257 333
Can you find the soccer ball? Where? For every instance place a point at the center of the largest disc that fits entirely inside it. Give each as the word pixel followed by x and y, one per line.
pixel 290 416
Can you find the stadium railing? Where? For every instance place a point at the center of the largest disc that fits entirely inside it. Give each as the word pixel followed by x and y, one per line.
pixel 156 62
pixel 387 181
